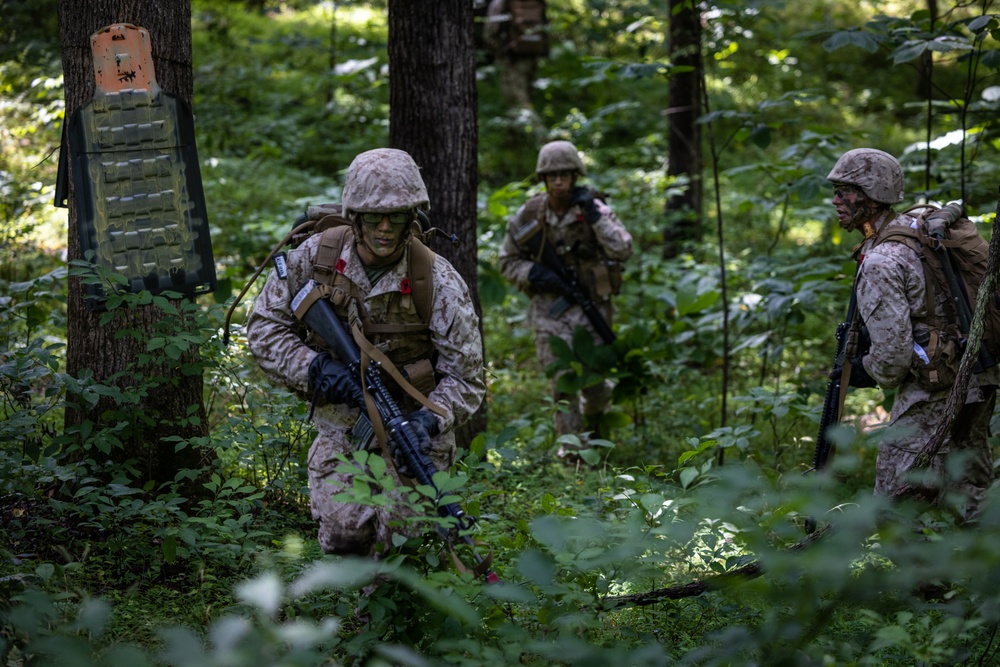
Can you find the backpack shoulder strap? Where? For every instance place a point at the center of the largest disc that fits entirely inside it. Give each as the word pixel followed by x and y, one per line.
pixel 421 279
pixel 918 241
pixel 533 207
pixel 897 233
pixel 331 244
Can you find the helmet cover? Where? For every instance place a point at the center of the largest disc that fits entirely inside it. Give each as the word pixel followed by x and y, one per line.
pixel 384 180
pixel 559 156
pixel 878 174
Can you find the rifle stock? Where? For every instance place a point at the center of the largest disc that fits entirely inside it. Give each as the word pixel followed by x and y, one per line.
pixel 320 317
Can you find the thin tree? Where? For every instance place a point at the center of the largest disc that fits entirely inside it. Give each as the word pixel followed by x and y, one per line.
pixel 432 116
pixel 170 402
pixel 684 154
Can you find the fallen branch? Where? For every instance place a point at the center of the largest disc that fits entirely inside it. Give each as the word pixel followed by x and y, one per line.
pixel 744 573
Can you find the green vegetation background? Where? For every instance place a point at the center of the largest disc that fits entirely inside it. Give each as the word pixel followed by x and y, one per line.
pixel 97 573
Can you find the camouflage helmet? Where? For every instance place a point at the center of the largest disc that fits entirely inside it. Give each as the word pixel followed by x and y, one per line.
pixel 559 156
pixel 383 180
pixel 877 173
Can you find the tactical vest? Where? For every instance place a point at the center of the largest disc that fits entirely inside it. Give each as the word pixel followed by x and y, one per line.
pixel 403 335
pixel 578 248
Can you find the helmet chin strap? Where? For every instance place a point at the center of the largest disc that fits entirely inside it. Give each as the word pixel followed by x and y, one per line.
pixel 864 218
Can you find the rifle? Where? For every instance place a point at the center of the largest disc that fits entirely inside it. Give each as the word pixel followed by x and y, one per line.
pixel 833 402
pixel 575 292
pixel 320 317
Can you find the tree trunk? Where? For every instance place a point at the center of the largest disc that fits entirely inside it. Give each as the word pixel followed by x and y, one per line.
pixel 683 211
pixel 168 402
pixel 432 116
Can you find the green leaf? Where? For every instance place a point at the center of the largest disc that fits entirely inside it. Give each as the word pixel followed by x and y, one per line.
pixel 688 475
pixel 691 299
pixel 45 571
pixel 991 58
pixel 264 593
pixel 761 136
pixel 909 51
pixel 583 343
pixel 169 548
pixel 536 567
pixel 560 348
pixel 856 38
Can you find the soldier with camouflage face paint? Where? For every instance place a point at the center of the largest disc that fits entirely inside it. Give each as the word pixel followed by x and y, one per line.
pixel 382 194
pixel 591 240
pixel 891 302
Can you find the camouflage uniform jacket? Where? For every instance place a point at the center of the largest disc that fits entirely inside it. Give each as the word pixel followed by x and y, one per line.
pixel 281 348
pixel 891 298
pixel 591 250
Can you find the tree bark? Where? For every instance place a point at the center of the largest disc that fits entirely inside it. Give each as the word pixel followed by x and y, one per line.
pixel 684 157
pixel 169 395
pixel 432 116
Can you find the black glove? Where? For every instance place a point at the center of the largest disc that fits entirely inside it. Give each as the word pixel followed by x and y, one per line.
pixel 864 341
pixel 582 196
pixel 424 426
pixel 544 279
pixel 859 376
pixel 334 381
pixel 859 379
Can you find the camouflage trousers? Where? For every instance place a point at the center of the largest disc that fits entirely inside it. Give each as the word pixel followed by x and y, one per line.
pixel 517 77
pixel 351 528
pixel 592 401
pixel 963 467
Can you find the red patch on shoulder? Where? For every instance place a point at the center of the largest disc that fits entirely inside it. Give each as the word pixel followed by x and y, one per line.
pixel 404 286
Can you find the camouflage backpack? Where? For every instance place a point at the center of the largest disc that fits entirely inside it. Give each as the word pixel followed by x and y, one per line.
pixel 521 28
pixel 954 255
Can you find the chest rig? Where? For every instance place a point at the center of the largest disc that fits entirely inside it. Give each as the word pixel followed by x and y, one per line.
pixel 397 324
pixel 578 248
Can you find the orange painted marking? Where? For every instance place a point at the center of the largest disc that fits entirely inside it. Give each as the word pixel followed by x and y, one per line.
pixel 123 58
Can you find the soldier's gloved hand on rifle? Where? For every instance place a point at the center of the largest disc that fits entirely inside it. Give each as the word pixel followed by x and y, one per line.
pixel 424 426
pixel 584 198
pixel 864 341
pixel 860 379
pixel 334 381
pixel 544 279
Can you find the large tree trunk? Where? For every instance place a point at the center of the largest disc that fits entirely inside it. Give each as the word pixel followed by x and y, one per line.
pixel 432 116
pixel 683 211
pixel 172 404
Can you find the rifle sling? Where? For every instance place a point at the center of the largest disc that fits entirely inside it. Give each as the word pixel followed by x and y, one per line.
pixel 479 569
pixel 371 353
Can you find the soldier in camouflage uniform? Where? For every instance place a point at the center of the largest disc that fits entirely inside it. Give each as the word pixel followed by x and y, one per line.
pixel 891 300
pixel 382 193
pixel 516 71
pixel 591 240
